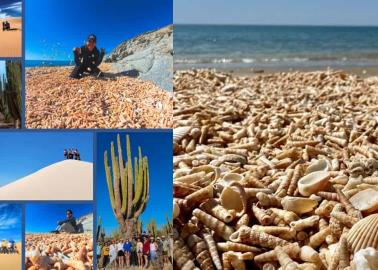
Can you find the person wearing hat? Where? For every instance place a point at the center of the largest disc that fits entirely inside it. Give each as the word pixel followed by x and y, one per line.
pixel 87 59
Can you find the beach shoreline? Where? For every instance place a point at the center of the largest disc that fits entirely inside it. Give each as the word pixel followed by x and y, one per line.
pixel 363 72
pixel 11 41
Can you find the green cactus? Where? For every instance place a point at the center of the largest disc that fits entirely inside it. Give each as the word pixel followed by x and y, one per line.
pixel 128 187
pixel 152 228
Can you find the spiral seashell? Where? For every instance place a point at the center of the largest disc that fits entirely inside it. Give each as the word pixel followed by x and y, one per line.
pixel 234 198
pixel 364 234
pixel 212 207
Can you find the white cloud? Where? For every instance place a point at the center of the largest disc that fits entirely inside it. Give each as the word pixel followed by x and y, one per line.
pixel 17 7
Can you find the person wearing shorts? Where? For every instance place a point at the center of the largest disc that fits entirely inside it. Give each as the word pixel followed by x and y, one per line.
pixel 127 249
pixel 165 249
pixel 146 251
pixel 120 254
pixel 140 252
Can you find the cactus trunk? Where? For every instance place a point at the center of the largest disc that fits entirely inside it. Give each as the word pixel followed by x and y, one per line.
pixel 128 186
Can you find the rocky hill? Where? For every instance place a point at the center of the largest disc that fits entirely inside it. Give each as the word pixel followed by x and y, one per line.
pixel 148 56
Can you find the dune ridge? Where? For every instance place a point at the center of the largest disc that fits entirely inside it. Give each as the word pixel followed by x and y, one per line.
pixel 64 180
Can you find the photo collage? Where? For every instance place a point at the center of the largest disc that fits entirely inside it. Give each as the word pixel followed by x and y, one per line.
pixel 188 135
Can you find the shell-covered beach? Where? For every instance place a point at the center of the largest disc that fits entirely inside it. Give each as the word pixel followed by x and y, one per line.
pixel 53 100
pixel 59 251
pixel 275 170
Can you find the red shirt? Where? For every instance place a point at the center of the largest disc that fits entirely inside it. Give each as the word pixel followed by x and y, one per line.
pixel 146 247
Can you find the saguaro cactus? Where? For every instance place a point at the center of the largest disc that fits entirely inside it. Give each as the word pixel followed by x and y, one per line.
pixel 128 187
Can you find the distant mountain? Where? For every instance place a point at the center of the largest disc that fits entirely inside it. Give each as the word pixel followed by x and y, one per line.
pixel 148 56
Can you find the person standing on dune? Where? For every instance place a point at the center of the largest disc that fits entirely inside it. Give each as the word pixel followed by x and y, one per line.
pixel 87 59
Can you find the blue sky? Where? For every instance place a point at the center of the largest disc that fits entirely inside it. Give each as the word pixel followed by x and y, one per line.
pixel 54 28
pixel 2 68
pixel 157 146
pixel 23 153
pixel 43 217
pixel 277 12
pixel 10 222
pixel 10 8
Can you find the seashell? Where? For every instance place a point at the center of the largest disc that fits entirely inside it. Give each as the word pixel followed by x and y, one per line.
pixel 294 181
pixel 244 220
pixel 207 169
pixel 261 216
pixel 318 238
pixel 308 254
pixel 176 210
pixel 287 216
pixel 284 259
pixel 246 234
pixel 365 201
pixel 313 182
pixel 231 246
pixel 291 249
pixel 200 195
pixel 318 165
pixel 200 249
pixel 364 234
pixel 302 224
pixel 190 178
pixel 343 253
pixel 298 205
pixel 365 259
pixel 220 228
pixel 234 198
pixel 212 207
pixel 179 133
pixel 348 206
pixel 268 199
pixel 226 180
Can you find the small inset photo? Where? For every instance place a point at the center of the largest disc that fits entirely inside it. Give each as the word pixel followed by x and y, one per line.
pixel 10 236
pixel 134 200
pixel 59 236
pixel 55 166
pixel 10 94
pixel 98 64
pixel 11 28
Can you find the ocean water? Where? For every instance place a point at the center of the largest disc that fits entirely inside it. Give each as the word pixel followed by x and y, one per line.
pixel 274 46
pixel 47 63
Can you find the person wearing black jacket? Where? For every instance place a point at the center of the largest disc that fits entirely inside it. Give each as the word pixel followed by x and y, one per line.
pixel 87 59
pixel 68 225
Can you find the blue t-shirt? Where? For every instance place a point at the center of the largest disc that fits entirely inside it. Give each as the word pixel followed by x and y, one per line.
pixel 127 246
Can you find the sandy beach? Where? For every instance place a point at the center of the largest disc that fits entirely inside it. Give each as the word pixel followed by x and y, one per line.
pixel 53 100
pixel 59 251
pixel 11 261
pixel 11 41
pixel 65 180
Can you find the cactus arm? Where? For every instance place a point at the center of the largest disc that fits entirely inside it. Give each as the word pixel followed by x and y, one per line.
pixel 116 178
pixel 109 180
pixel 130 180
pixel 124 184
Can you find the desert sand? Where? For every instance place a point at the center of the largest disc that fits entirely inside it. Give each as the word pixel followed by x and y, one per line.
pixel 53 100
pixel 65 180
pixel 11 261
pixel 46 250
pixel 11 41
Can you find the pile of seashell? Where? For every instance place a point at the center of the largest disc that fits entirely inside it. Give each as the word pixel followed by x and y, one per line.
pixel 275 172
pixel 59 251
pixel 53 100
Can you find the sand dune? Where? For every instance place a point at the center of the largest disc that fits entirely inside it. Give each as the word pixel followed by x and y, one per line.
pixel 11 261
pixel 65 180
pixel 11 41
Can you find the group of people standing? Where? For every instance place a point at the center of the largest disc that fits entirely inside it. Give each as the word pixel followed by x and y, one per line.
pixel 8 247
pixel 6 26
pixel 141 252
pixel 71 154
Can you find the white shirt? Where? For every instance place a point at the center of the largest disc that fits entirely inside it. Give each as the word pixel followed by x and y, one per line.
pixel 120 246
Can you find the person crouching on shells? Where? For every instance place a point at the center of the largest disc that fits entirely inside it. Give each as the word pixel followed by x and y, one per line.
pixel 87 59
pixel 68 225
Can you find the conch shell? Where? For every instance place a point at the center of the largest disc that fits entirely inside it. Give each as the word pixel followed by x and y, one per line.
pixel 234 198
pixel 366 201
pixel 313 182
pixel 298 205
pixel 318 165
pixel 364 234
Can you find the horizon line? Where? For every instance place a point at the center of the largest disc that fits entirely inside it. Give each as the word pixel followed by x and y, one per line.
pixel 262 24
